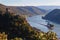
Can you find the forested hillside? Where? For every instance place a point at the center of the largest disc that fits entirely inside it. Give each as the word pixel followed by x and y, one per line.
pixel 53 16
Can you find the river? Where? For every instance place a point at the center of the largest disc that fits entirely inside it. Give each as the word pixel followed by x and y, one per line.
pixel 36 21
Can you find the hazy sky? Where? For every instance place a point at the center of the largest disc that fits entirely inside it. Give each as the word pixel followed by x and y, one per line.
pixel 30 2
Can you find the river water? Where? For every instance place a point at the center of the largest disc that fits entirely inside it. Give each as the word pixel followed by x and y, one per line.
pixel 36 21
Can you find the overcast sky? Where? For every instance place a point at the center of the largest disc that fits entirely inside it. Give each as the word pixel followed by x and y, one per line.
pixel 30 2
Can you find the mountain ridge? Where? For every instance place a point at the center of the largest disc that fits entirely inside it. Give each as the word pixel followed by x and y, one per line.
pixel 53 16
pixel 25 10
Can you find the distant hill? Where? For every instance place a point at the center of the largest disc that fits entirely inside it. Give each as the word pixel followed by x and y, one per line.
pixel 25 10
pixel 48 8
pixel 53 16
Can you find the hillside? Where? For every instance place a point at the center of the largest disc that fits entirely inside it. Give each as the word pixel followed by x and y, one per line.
pixel 16 26
pixel 24 10
pixel 2 7
pixel 53 16
pixel 28 10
